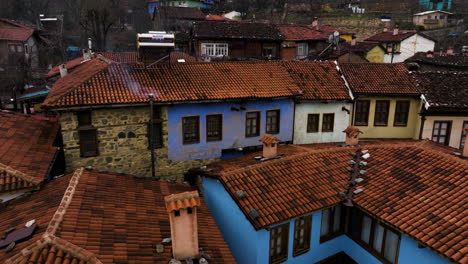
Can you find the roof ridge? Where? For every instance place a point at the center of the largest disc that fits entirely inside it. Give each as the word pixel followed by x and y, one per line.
pixel 19 174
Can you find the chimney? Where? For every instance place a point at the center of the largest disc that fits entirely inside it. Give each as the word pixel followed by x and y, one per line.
pixel 465 148
pixel 450 51
pixel 90 44
pixel 315 22
pixel 270 146
pixel 395 30
pixel 353 42
pixel 86 55
pixel 182 210
pixel 429 54
pixel 385 29
pixel 63 70
pixel 352 135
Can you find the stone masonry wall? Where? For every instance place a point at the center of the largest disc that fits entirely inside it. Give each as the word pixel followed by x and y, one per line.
pixel 129 154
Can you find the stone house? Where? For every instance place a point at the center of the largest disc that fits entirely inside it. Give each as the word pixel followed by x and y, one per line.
pixel 202 112
pixel 445 113
pixel 301 42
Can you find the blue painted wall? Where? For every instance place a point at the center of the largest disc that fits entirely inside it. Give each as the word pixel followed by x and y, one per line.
pixel 250 246
pixel 152 6
pixel 233 127
pixel 434 5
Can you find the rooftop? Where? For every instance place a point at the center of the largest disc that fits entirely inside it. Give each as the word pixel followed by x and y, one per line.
pixel 390 37
pixel 236 30
pixel 175 12
pixel 360 47
pixel 380 78
pixel 431 12
pixel 26 150
pixel 453 61
pixel 300 32
pixel 11 30
pixel 417 187
pixel 328 30
pixel 103 218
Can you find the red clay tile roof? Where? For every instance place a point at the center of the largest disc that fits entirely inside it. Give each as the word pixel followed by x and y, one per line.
pixel 379 78
pixel 235 30
pixel 104 218
pixel 300 32
pixel 174 12
pixel 328 30
pixel 352 131
pixel 360 47
pixel 318 80
pixel 98 83
pixel 26 147
pixel 217 17
pixel 11 30
pixel 71 64
pixel 121 57
pixel 409 184
pixel 183 200
pixel 389 37
pixel 269 139
pixel 177 55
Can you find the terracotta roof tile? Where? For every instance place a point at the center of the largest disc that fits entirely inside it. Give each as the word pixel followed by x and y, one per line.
pixel 121 57
pixel 300 32
pixel 11 30
pixel 379 78
pixel 26 150
pixel 328 30
pixel 174 12
pixel 411 185
pixel 105 218
pixel 236 30
pixel 269 139
pixel 390 37
pixel 182 200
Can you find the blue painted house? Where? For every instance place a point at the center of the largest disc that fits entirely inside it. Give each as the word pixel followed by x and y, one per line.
pixel 436 4
pixel 288 210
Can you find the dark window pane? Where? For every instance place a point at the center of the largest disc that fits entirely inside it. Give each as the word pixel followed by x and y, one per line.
pixel 84 118
pixel 302 232
pixel 391 245
pixel 337 219
pixel 191 131
pixel 325 225
pixel 214 127
pixel 378 238
pixel 362 113
pixel 252 126
pixel 313 123
pixel 273 121
pixel 279 237
pixel 463 137
pixel 381 113
pixel 157 134
pixel 328 122
pixel 401 113
pixel 88 142
pixel 366 229
pixel 441 132
pixel 355 224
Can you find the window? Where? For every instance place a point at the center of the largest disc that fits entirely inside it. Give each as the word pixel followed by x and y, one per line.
pixel 190 129
pixel 393 47
pixel 157 129
pixel 214 127
pixel 252 126
pixel 463 137
pixel 373 236
pixel 177 213
pixel 189 210
pixel 87 135
pixel 15 48
pixel 268 52
pixel 279 237
pixel 441 132
pixel 313 123
pixel 401 113
pixel 381 113
pixel 214 49
pixel 273 121
pixel 302 231
pixel 327 122
pixel 302 49
pixel 362 113
pixel 332 223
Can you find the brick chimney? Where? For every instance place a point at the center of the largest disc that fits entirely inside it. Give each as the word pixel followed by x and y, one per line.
pixel 315 22
pixel 182 210
pixel 270 146
pixel 450 51
pixel 63 70
pixel 395 30
pixel 352 135
pixel 465 148
pixel 86 54
pixel 429 54
pixel 385 29
pixel 353 42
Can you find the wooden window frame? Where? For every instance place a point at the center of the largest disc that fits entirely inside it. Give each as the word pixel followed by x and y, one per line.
pixel 369 247
pixel 79 118
pixel 158 122
pixel 307 227
pixel 268 120
pixel 193 141
pixel 331 219
pixel 332 123
pixel 309 127
pixel 83 127
pixel 401 124
pixel 356 123
pixel 381 123
pixel 463 134
pixel 449 131
pixel 284 236
pixel 257 132
pixel 219 127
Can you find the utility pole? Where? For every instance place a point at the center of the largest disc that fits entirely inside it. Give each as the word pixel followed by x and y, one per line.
pixel 151 139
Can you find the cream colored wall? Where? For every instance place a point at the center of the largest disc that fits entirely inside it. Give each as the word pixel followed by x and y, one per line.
pixel 375 55
pixel 410 131
pixel 456 131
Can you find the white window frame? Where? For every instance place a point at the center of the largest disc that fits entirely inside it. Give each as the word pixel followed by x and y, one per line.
pixel 214 49
pixel 302 49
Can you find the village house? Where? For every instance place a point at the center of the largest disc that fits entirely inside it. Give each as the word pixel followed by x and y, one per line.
pixel 174 18
pixel 386 99
pixel 201 113
pixel 355 51
pixel 400 45
pixel 438 61
pixel 435 4
pixel 105 218
pixel 431 19
pixel 301 41
pixel 329 30
pixel 30 153
pixel 236 40
pixel 295 208
pixel 445 111
pixel 323 110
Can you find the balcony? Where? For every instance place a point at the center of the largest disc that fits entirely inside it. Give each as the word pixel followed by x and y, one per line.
pixel 431 21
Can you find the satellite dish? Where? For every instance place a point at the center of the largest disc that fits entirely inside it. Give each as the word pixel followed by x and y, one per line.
pixel 336 34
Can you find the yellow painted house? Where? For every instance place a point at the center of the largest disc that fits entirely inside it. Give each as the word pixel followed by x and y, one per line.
pixel 361 51
pixel 386 100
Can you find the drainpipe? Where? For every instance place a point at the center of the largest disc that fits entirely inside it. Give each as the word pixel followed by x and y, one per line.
pixel 151 98
pixel 423 118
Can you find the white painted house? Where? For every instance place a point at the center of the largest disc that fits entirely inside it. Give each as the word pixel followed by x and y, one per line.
pixel 400 45
pixel 322 113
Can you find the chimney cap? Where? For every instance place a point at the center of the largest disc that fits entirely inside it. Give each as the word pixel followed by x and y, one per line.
pixel 183 200
pixel 269 139
pixel 352 131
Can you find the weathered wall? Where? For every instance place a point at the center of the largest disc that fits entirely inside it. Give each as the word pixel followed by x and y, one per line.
pixel 300 123
pixel 409 47
pixel 130 155
pixel 456 131
pixel 376 55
